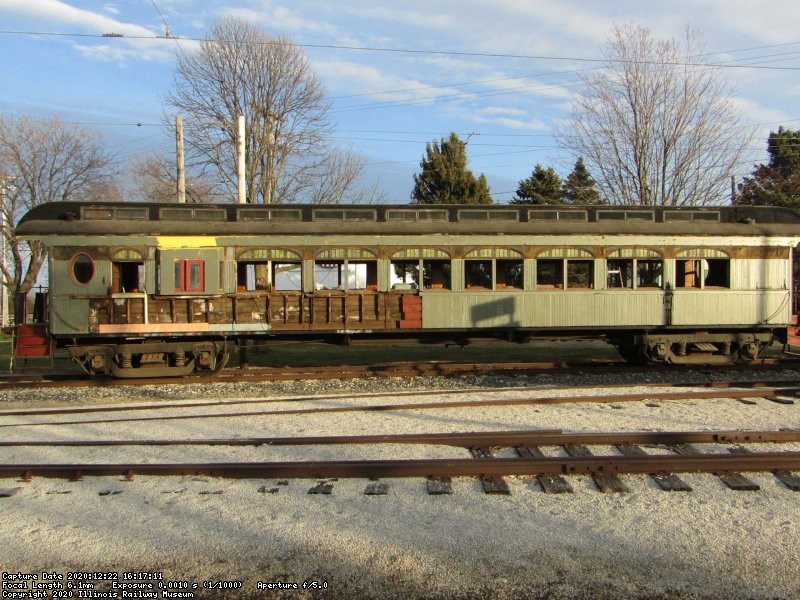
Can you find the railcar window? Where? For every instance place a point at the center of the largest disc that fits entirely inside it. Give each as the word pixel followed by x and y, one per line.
pixel 127 276
pixel 404 273
pixel 649 273
pixel 549 274
pixel 330 214
pixel 345 274
pixel 557 215
pixel 716 272
pixel 703 273
pixel 269 214
pixel 691 215
pixel 687 273
pixel 82 268
pixel 488 215
pixel 580 274
pixel 416 215
pixel 509 274
pixel 478 274
pixel 190 276
pixel 256 276
pixel 435 274
pixel 620 273
pixel 625 215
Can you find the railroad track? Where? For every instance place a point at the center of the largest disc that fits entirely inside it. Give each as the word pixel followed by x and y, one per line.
pixel 674 453
pixel 404 369
pixel 779 392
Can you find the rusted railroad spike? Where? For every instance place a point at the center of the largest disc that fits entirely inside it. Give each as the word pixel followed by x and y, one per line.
pixel 668 482
pixel 551 484
pixel 735 481
pixel 607 483
pixel 492 484
pixel 787 478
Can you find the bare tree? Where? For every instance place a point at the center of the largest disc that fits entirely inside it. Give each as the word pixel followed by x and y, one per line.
pixel 241 70
pixel 337 181
pixel 45 161
pixel 155 180
pixel 655 126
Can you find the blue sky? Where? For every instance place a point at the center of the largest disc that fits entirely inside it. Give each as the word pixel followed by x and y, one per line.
pixel 500 73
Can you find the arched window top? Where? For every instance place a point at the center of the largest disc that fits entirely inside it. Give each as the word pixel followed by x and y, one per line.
pixel 345 253
pixel 269 254
pixel 493 253
pixel 634 253
pixel 565 253
pixel 421 253
pixel 127 254
pixel 702 253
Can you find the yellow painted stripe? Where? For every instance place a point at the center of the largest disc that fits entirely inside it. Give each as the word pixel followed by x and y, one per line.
pixel 186 241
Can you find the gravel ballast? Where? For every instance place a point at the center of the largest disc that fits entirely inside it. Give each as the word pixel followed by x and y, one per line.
pixel 708 543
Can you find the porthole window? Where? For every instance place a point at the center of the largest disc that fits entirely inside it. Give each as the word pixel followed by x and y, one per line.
pixel 82 269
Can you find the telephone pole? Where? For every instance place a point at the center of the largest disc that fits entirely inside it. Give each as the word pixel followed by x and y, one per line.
pixel 3 220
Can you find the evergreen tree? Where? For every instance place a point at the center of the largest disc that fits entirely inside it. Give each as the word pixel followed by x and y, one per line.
pixel 544 186
pixel 445 178
pixel 580 187
pixel 777 183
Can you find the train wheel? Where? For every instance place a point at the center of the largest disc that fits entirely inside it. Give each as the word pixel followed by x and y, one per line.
pixel 210 357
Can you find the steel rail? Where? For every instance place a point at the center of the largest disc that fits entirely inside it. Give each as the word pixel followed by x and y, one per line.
pixel 423 369
pixel 536 437
pixel 497 467
pixel 768 388
pixel 662 396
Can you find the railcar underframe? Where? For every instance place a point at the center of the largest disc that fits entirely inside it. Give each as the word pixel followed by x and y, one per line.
pixel 161 336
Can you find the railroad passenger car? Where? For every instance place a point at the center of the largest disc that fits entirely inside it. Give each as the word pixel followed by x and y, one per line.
pixel 156 289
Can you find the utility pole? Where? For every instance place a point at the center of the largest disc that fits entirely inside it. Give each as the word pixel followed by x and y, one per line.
pixel 3 220
pixel 240 163
pixel 180 160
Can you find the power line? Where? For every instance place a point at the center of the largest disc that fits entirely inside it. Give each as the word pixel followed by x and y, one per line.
pixel 410 51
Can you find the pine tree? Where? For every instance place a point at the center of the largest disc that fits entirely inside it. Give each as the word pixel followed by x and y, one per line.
pixel 777 183
pixel 544 186
pixel 445 178
pixel 580 187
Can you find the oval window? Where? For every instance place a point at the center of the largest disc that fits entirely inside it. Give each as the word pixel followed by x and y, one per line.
pixel 82 268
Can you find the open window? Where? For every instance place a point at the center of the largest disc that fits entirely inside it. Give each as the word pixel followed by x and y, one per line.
pixel 265 269
pixel 493 269
pixel 127 272
pixel 634 268
pixel 433 265
pixel 565 268
pixel 346 269
pixel 702 268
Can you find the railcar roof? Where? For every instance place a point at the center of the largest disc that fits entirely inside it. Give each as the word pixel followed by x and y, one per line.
pixel 97 218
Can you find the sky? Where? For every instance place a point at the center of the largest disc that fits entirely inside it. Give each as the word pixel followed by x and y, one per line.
pixel 500 73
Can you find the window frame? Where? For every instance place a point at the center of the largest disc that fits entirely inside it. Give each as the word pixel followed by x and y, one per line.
pixel 72 269
pixel 184 275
